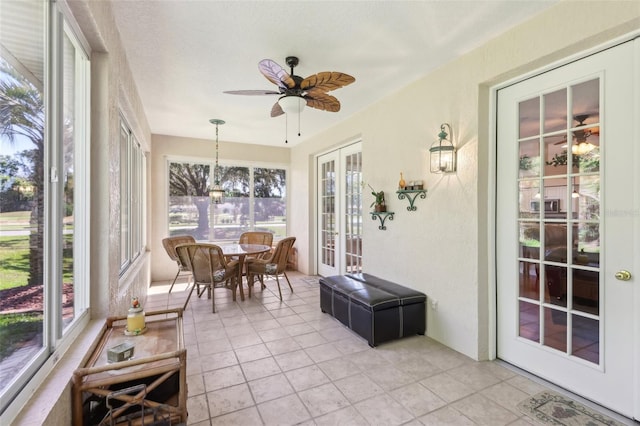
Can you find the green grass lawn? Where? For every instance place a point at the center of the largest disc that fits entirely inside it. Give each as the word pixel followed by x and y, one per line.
pixel 18 329
pixel 15 221
pixel 14 261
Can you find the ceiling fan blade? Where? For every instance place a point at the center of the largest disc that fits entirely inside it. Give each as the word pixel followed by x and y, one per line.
pixel 320 100
pixel 252 92
pixel 326 81
pixel 276 110
pixel 276 74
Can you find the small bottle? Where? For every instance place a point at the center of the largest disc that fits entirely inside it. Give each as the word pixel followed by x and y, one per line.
pixel 135 318
pixel 402 183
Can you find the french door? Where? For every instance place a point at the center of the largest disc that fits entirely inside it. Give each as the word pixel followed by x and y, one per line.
pixel 340 211
pixel 567 242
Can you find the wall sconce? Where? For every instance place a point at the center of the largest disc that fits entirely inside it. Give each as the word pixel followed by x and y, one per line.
pixel 443 153
pixel 216 192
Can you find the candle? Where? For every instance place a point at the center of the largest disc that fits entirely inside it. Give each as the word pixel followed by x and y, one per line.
pixel 135 318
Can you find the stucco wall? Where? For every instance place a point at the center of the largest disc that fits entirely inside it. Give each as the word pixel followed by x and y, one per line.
pixel 443 247
pixel 113 92
pixel 196 150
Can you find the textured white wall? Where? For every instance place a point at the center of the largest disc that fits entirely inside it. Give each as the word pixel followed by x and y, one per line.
pixel 442 248
pixel 113 91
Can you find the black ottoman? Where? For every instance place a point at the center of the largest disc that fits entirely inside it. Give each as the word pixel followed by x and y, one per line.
pixel 376 309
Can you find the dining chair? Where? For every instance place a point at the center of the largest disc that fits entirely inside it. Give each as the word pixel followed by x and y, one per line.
pixel 210 269
pixel 170 244
pixel 257 237
pixel 274 265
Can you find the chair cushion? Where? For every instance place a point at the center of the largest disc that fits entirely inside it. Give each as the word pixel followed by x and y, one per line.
pixel 271 268
pixel 219 275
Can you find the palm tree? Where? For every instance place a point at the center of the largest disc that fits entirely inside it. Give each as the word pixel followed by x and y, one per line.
pixel 22 115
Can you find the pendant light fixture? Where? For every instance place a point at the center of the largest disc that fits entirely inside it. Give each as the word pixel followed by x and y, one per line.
pixel 216 193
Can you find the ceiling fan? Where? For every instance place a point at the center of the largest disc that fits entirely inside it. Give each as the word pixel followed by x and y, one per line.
pixel 296 92
pixel 581 145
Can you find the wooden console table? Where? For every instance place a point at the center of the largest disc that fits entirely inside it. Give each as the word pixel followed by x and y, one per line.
pixel 158 367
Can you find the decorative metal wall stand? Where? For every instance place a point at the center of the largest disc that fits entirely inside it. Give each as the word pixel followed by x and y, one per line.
pixel 382 216
pixel 411 195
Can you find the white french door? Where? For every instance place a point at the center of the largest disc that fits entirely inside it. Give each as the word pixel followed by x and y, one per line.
pixel 568 227
pixel 340 211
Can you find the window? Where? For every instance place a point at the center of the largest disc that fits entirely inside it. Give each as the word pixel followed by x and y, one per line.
pixel 44 178
pixel 255 199
pixel 132 172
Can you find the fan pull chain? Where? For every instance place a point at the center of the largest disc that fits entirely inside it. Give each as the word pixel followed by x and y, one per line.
pixel 299 114
pixel 286 128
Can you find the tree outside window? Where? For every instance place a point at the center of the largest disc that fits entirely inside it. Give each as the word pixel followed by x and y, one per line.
pixel 255 199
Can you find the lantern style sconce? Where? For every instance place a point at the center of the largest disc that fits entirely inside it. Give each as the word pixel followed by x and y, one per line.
pixel 216 192
pixel 443 153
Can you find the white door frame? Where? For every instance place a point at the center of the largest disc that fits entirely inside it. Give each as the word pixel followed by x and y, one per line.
pixel 492 196
pixel 315 203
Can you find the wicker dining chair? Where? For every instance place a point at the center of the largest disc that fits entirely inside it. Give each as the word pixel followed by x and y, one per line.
pixel 210 269
pixel 274 265
pixel 170 244
pixel 257 237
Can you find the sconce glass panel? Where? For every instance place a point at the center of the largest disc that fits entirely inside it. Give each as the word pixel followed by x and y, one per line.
pixel 443 153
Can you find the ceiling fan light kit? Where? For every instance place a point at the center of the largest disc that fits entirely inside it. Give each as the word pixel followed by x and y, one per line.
pixel 295 92
pixel 292 104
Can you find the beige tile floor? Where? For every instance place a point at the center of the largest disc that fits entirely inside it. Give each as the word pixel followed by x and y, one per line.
pixel 267 362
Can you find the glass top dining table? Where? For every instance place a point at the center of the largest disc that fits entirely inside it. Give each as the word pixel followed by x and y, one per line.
pixel 241 251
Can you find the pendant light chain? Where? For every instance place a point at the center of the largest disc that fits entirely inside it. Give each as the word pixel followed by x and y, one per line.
pixel 215 171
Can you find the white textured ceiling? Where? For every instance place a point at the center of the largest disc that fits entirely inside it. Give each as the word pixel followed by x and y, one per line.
pixel 185 53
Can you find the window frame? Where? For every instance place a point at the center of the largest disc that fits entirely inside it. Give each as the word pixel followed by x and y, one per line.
pixel 132 193
pixel 251 165
pixel 58 22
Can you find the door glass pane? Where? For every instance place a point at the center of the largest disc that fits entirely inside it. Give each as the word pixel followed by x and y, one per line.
pixel 327 200
pixel 529 199
pixel 555 329
pixel 353 213
pixel 529 281
pixel 585 98
pixel 22 189
pixel 529 114
pixel 586 338
pixel 586 290
pixel 556 289
pixel 555 111
pixel 555 155
pixel 555 198
pixel 529 158
pixel 530 240
pixel 565 195
pixel 529 321
pixel 555 242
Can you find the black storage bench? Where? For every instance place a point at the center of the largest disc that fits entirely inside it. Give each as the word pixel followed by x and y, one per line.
pixel 376 309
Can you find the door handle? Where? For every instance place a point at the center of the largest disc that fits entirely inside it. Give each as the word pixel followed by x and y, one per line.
pixel 623 275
